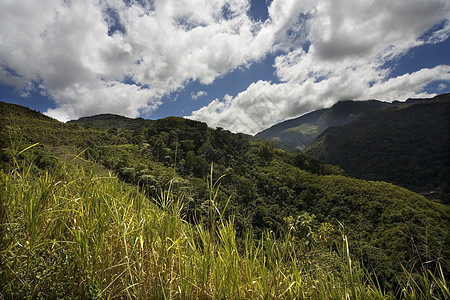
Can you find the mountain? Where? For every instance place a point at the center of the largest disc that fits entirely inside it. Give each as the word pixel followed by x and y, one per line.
pixel 407 145
pixel 261 187
pixel 296 134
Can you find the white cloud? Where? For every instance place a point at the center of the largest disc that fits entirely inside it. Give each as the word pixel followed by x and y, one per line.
pixel 61 46
pixel 264 104
pixel 442 86
pixel 347 28
pixel 199 94
pixel 83 99
pixel 409 85
pixel 343 48
pixel 111 56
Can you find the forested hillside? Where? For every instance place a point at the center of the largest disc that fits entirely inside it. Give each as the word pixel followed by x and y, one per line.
pixel 408 146
pixel 298 133
pixel 262 189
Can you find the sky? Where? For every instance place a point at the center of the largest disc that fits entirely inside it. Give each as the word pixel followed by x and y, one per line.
pixel 237 64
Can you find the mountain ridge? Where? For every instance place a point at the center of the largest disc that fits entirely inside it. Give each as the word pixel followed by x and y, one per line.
pixel 298 133
pixel 405 145
pixel 109 121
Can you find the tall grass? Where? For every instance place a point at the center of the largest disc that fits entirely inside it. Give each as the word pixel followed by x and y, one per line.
pixel 75 233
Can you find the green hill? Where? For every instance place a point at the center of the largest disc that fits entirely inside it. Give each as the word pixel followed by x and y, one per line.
pixel 111 121
pixel 264 190
pixel 408 146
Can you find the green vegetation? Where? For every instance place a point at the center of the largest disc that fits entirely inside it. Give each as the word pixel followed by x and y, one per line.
pixel 77 233
pixel 116 212
pixel 406 146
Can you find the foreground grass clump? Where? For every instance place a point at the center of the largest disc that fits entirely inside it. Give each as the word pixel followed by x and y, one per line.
pixel 74 233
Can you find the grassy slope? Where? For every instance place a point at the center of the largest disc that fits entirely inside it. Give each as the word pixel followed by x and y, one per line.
pixel 75 234
pixel 388 224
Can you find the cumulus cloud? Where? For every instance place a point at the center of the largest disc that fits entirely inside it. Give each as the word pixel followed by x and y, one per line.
pixel 342 53
pixel 87 54
pixel 256 107
pixel 83 99
pixel 264 104
pixel 124 56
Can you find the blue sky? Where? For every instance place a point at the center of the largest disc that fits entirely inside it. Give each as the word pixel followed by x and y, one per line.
pixel 238 64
